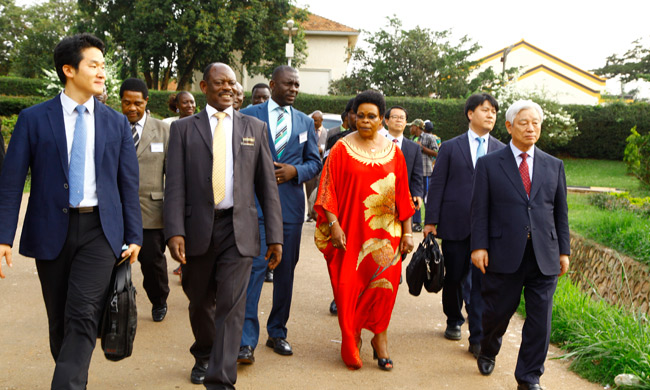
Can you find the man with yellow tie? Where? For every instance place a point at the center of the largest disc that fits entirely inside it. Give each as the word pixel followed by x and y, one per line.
pixel 217 162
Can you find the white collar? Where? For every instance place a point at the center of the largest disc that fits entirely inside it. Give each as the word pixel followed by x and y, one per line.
pixel 70 105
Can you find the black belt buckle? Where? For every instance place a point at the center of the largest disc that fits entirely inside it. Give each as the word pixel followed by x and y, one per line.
pixel 84 210
pixel 529 236
pixel 220 213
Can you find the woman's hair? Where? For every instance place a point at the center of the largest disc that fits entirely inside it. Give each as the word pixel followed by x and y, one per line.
pixel 371 97
pixel 173 100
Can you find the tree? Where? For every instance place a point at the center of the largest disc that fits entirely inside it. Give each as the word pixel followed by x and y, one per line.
pixel 163 37
pixel 631 66
pixel 11 28
pixel 417 62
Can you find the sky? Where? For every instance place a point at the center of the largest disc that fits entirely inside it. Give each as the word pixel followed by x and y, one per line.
pixel 583 33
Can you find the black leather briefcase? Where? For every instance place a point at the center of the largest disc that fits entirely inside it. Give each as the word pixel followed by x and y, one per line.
pixel 120 319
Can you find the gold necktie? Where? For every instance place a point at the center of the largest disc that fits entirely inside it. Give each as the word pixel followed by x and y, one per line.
pixel 219 160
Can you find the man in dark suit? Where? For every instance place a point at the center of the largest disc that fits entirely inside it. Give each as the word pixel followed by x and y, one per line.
pixel 294 147
pixel 83 204
pixel 150 137
pixel 520 241
pixel 448 207
pixel 218 162
pixel 395 119
pixel 2 148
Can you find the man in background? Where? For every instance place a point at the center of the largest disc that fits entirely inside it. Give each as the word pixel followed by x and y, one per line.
pixel 150 137
pixel 429 149
pixel 448 215
pixel 239 96
pixel 293 146
pixel 260 93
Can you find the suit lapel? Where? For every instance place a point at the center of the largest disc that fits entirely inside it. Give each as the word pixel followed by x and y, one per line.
pixel 202 125
pixel 294 130
pixel 464 149
pixel 238 127
pixel 147 137
pixel 55 116
pixel 492 143
pixel 100 134
pixel 509 166
pixel 539 168
pixel 263 115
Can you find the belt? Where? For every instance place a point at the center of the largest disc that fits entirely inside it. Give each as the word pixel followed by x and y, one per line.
pixel 220 213
pixel 83 210
pixel 529 236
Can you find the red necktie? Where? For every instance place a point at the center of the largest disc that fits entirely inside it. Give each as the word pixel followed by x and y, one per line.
pixel 395 141
pixel 523 171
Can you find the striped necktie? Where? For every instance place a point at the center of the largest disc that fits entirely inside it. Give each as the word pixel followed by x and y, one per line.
pixel 523 171
pixel 281 132
pixel 219 160
pixel 136 136
pixel 77 167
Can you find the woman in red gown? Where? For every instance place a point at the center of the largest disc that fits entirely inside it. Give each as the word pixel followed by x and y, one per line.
pixel 364 225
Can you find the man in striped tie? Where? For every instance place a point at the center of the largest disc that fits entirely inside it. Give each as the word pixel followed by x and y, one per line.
pixel 294 147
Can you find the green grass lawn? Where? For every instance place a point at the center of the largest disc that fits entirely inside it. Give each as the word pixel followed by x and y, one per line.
pixel 602 173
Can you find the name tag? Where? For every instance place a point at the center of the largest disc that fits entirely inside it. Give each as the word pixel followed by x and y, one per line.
pixel 302 137
pixel 157 147
pixel 248 141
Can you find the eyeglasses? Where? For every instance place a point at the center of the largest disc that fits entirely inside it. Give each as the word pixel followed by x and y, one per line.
pixel 398 117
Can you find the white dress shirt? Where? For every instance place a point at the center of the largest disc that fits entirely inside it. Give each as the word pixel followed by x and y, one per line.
pixel 529 159
pixel 391 138
pixel 473 143
pixel 70 115
pixel 139 125
pixel 228 201
pixel 273 118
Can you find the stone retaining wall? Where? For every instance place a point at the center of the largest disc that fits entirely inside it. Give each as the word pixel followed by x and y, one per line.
pixel 604 273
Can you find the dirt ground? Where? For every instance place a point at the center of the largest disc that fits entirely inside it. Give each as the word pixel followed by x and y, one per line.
pixel 423 358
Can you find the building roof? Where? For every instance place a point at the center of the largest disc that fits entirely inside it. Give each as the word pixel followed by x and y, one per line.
pixel 319 23
pixel 562 63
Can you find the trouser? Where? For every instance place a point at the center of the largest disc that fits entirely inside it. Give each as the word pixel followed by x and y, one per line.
pixel 215 284
pixel 282 287
pixel 501 295
pixel 75 287
pixel 154 266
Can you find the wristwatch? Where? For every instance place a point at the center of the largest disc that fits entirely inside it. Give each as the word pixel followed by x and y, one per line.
pixel 332 223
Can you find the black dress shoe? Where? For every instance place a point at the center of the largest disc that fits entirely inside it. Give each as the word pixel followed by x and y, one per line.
pixel 475 349
pixel 333 309
pixel 246 355
pixel 528 386
pixel 268 278
pixel 198 373
pixel 485 364
pixel 452 332
pixel 159 312
pixel 279 345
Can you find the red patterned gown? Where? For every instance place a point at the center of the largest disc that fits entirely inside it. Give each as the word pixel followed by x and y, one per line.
pixel 370 196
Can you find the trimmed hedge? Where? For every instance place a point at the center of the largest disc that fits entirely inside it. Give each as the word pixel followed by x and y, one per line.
pixel 603 129
pixel 18 86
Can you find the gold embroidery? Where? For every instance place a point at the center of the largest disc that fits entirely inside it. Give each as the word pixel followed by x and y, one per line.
pixel 381 283
pixel 381 250
pixel 380 207
pixel 322 236
pixel 378 158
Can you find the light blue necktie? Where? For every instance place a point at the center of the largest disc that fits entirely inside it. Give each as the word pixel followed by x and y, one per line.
pixel 480 151
pixel 78 159
pixel 281 132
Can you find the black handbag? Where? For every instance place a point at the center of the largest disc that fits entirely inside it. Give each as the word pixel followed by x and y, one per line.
pixel 426 268
pixel 120 318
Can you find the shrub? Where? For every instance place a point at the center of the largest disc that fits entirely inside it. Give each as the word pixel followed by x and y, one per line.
pixel 10 105
pixel 637 156
pixel 18 86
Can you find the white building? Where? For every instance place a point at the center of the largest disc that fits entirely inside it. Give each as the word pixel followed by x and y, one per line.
pixel 540 70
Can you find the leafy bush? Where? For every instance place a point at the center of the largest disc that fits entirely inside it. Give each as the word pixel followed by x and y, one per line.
pixel 637 156
pixel 621 201
pixel 10 105
pixel 18 86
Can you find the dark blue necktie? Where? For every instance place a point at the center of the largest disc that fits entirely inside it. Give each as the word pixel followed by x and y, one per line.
pixel 78 158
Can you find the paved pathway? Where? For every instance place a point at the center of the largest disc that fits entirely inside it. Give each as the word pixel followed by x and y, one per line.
pixel 423 358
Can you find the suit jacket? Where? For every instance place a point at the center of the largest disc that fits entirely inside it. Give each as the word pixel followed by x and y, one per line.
pixel 450 188
pixel 152 154
pixel 39 143
pixel 302 155
pixel 2 149
pixel 502 213
pixel 189 201
pixel 413 158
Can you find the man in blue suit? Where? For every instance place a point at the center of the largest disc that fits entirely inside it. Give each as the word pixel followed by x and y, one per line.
pixel 520 241
pixel 448 207
pixel 83 203
pixel 294 147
